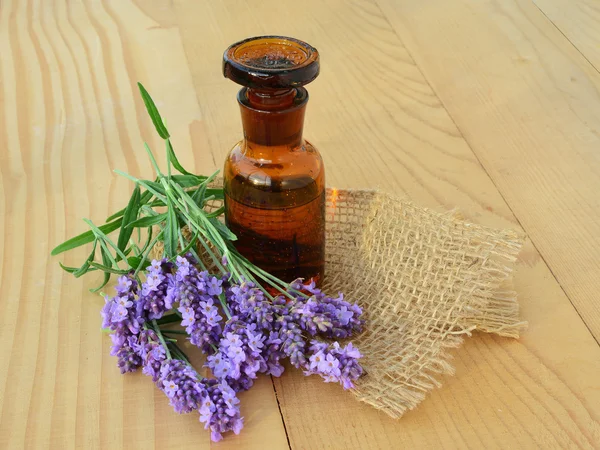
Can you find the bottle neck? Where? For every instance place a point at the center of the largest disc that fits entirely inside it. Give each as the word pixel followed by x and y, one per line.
pixel 273 118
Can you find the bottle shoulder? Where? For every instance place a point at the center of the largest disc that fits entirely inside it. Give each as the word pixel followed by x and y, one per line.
pixel 274 162
pixel 274 178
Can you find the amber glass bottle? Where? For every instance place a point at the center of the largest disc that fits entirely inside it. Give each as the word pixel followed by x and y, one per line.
pixel 274 180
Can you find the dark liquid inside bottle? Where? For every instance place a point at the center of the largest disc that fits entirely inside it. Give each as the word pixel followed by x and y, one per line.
pixel 285 239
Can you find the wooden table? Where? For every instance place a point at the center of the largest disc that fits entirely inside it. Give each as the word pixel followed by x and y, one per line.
pixel 489 106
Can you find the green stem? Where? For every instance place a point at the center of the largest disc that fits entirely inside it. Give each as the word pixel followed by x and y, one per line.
pixel 146 253
pixel 171 318
pixel 212 255
pixel 152 159
pixel 180 352
pixel 161 338
pixel 258 271
pixel 284 292
pixel 223 302
pixel 157 194
pixel 248 276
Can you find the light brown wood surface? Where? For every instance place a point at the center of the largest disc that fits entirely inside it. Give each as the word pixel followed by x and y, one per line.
pixel 488 106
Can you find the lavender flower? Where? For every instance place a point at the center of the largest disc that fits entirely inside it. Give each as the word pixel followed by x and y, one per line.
pixel 197 295
pixel 250 304
pixel 158 291
pixel 239 358
pixel 293 344
pixel 121 315
pixel 120 312
pixel 260 334
pixel 219 410
pixel 179 381
pixel 330 317
pixel 128 360
pixel 152 353
pixel 334 363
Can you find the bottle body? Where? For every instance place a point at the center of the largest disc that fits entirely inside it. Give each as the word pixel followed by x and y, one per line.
pixel 274 180
pixel 276 208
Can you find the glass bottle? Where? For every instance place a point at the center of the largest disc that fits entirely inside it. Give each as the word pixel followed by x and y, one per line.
pixel 274 180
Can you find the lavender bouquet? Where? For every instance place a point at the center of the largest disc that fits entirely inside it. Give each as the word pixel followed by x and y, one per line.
pixel 244 319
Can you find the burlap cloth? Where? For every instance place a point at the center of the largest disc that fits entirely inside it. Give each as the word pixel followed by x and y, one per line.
pixel 424 280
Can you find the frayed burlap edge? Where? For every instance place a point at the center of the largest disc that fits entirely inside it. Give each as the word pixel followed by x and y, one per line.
pixel 424 280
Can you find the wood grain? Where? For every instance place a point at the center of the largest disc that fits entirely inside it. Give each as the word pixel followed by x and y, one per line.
pixel 577 20
pixel 377 121
pixel 70 113
pixel 528 104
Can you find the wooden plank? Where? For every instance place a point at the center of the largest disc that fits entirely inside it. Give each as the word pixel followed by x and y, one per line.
pixel 578 20
pixel 527 103
pixel 378 123
pixel 70 114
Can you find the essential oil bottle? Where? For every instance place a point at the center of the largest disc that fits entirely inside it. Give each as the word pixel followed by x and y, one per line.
pixel 274 180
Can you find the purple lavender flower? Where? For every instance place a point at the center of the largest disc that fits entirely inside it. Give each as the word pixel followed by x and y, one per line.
pixel 214 286
pixel 197 305
pixel 273 354
pixel 219 364
pixel 127 358
pixel 152 353
pixel 293 344
pixel 328 316
pixel 120 314
pixel 179 381
pixel 334 363
pixel 239 357
pixel 250 304
pixel 158 290
pixel 219 410
pixel 260 334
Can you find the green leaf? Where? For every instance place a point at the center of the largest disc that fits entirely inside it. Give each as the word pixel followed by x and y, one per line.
pixel 130 215
pixel 171 318
pixel 109 269
pixel 145 198
pixel 148 221
pixel 223 230
pixel 149 245
pixel 188 180
pixel 144 184
pixel 171 156
pixel 146 245
pixel 153 112
pixel 156 186
pixel 85 268
pixel 216 193
pixel 107 261
pixel 117 215
pixel 68 269
pixel 153 160
pixel 189 245
pixel 104 239
pixel 216 212
pixel 170 231
pixel 135 261
pixel 199 194
pixel 85 238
